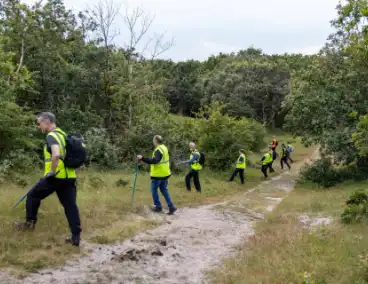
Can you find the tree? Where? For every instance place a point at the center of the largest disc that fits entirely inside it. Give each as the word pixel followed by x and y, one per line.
pixel 335 87
pixel 15 127
pixel 251 86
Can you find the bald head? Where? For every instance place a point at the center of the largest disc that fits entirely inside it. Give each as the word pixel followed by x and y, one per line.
pixel 192 146
pixel 157 140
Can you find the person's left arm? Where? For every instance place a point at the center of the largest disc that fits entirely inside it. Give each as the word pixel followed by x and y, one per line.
pixel 155 160
pixel 191 161
pixel 240 160
pixel 55 152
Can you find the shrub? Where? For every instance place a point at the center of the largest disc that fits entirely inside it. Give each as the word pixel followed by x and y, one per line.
pixel 357 208
pixel 221 136
pixel 154 119
pixel 321 172
pixel 100 149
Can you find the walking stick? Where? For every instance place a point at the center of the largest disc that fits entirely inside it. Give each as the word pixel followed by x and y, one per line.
pixel 29 191
pixel 134 183
pixel 20 200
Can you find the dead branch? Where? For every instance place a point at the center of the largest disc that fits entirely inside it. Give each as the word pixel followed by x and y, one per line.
pixel 160 45
pixel 131 19
pixel 104 15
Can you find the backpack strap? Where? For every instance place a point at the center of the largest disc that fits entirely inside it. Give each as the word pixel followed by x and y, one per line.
pixel 60 141
pixel 58 138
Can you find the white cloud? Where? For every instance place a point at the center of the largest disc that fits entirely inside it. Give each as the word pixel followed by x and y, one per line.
pixel 308 50
pixel 272 25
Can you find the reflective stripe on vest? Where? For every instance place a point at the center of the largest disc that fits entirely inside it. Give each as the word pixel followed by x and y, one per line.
pixel 162 169
pixel 241 165
pixel 63 172
pixel 196 165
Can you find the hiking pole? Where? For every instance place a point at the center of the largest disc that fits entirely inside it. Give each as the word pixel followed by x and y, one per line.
pixel 20 200
pixel 135 181
pixel 29 191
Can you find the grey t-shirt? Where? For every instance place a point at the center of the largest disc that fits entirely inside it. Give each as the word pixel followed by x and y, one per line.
pixel 50 140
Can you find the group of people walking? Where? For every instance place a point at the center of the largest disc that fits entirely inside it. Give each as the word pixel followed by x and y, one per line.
pixel 267 160
pixel 270 156
pixel 61 179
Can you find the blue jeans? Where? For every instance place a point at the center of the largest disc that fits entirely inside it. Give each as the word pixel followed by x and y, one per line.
pixel 162 184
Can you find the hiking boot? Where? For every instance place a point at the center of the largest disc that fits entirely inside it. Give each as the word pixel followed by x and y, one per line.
pixel 172 211
pixel 73 239
pixel 25 226
pixel 156 209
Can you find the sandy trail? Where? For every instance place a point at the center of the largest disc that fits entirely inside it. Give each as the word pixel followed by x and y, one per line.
pixel 179 251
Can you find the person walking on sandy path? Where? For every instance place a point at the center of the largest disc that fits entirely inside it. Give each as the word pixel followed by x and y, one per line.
pixel 160 173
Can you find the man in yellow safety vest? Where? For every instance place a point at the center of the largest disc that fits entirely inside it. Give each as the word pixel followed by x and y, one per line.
pixel 240 167
pixel 160 174
pixel 267 160
pixel 57 178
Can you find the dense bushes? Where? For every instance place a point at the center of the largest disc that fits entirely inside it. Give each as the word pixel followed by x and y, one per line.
pixel 219 136
pixel 357 208
pixel 324 173
pixel 100 149
pixel 321 172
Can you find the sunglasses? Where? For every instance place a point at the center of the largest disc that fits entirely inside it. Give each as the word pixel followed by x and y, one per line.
pixel 38 122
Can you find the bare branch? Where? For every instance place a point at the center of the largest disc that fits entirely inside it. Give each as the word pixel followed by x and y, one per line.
pixel 104 14
pixel 145 47
pixel 160 45
pixel 137 32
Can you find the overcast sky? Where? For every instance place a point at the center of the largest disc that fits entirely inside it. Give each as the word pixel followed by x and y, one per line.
pixel 201 28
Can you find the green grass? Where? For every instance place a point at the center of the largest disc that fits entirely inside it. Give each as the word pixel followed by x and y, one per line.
pixel 104 200
pixel 286 251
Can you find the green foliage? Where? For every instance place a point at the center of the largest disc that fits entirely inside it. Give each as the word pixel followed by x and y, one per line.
pixel 52 59
pixel 357 208
pixel 100 149
pixel 360 136
pixel 153 119
pixel 321 172
pixel 250 85
pixel 324 173
pixel 221 136
pixel 330 94
pixel 17 129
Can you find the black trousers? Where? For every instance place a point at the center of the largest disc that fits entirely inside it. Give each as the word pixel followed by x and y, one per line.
pixel 274 154
pixel 67 194
pixel 284 160
pixel 235 173
pixel 195 175
pixel 264 169
pixel 270 167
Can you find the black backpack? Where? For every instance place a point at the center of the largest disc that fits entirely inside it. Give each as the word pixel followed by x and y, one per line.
pixel 76 152
pixel 202 159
